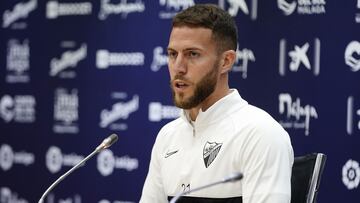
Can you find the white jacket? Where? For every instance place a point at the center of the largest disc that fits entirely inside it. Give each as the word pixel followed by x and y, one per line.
pixel 230 136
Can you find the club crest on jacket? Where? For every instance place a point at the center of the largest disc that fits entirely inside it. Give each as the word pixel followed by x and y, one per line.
pixel 211 150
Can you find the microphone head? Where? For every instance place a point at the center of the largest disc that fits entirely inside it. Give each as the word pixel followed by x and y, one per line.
pixel 110 140
pixel 233 177
pixel 107 142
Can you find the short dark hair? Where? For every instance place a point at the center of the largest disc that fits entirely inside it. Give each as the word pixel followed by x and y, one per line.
pixel 216 19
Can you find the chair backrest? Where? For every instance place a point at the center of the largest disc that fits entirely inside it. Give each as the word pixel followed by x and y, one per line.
pixel 305 178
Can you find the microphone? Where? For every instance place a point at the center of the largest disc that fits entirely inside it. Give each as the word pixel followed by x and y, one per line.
pixel 231 178
pixel 106 143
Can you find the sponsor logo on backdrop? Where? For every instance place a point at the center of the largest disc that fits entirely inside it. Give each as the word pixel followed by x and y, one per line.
pixel 353 117
pixel 115 117
pixel 115 201
pixel 352 55
pixel 160 59
pixel 55 159
pixel 107 162
pixel 302 7
pixel 104 59
pixel 158 112
pixel 8 196
pixel 63 66
pixel 55 9
pixel 66 115
pixel 51 198
pixel 123 7
pixel 20 11
pixel 18 61
pixel 233 7
pixel 243 57
pixel 299 57
pixel 351 174
pixel 172 7
pixel 357 15
pixel 9 157
pixel 18 108
pixel 297 116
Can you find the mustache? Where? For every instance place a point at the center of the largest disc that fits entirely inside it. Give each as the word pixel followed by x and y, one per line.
pixel 180 77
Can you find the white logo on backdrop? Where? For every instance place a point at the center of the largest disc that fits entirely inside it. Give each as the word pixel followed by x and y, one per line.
pixel 303 7
pixel 8 196
pixel 357 15
pixel 119 111
pixel 173 6
pixel 158 112
pixel 8 157
pixel 55 9
pixel 286 7
pixel 51 198
pixel 20 108
pixel 7 108
pixel 107 162
pixel 69 59
pixel 159 59
pixel 234 6
pixel 55 159
pixel 299 58
pixel 351 174
pixel 123 8
pixel 66 113
pixel 352 114
pixel 18 61
pixel 242 59
pixel 115 201
pixel 104 59
pixel 352 49
pixel 293 110
pixel 21 10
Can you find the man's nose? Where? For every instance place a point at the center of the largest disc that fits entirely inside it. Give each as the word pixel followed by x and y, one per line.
pixel 180 66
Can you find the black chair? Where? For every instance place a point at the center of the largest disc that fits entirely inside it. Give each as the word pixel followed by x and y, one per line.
pixel 305 178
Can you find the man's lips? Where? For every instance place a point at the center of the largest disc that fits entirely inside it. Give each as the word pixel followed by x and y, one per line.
pixel 180 84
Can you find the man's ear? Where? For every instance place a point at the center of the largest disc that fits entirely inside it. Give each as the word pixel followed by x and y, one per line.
pixel 228 60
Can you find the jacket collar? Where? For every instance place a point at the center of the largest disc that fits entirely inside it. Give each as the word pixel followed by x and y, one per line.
pixel 219 110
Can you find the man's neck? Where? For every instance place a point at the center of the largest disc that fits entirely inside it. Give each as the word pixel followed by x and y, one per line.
pixel 207 103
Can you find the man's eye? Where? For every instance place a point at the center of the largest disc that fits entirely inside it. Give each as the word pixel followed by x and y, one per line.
pixel 193 54
pixel 171 54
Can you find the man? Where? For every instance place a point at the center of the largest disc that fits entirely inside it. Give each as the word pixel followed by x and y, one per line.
pixel 218 132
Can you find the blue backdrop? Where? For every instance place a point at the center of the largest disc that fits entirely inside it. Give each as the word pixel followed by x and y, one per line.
pixel 74 71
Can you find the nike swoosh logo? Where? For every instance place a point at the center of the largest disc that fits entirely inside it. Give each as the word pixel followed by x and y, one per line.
pixel 170 153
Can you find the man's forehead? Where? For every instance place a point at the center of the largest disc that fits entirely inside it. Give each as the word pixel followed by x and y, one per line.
pixel 191 29
pixel 186 37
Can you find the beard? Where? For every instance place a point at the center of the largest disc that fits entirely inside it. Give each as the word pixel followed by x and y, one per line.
pixel 203 89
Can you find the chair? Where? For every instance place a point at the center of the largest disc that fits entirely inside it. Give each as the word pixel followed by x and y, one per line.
pixel 305 178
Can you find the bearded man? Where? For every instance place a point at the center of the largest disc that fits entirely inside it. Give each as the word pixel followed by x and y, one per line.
pixel 218 132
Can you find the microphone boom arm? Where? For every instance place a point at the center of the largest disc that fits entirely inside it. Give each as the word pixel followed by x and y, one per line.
pixel 105 144
pixel 233 177
pixel 66 174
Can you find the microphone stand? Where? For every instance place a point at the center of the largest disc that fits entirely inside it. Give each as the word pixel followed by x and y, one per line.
pixel 105 144
pixel 231 178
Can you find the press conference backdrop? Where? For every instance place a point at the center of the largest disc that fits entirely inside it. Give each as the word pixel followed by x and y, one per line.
pixel 74 71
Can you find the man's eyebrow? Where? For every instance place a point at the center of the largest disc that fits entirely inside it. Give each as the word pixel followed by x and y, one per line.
pixel 170 49
pixel 192 48
pixel 187 49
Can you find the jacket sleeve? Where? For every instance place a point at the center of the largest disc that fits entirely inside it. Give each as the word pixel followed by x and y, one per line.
pixel 267 163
